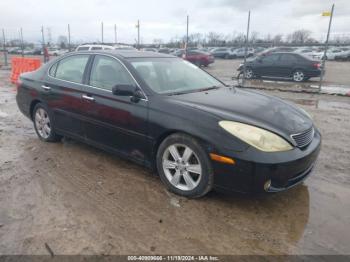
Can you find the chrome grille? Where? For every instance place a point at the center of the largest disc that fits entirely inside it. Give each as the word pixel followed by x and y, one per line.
pixel 304 138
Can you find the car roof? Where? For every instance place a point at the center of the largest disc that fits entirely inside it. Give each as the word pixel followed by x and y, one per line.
pixel 128 53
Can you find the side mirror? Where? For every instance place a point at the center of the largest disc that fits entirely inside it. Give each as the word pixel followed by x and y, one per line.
pixel 128 90
pixel 123 90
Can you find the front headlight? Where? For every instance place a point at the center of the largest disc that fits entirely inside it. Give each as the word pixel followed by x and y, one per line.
pixel 257 137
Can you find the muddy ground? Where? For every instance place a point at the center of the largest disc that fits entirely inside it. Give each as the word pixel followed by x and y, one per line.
pixel 81 200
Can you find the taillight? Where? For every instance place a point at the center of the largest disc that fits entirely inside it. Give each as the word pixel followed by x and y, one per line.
pixel 316 65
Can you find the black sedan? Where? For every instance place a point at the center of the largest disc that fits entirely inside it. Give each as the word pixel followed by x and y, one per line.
pixel 167 114
pixel 282 65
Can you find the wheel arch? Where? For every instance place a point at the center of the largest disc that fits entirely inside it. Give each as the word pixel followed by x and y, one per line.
pixel 206 145
pixel 32 106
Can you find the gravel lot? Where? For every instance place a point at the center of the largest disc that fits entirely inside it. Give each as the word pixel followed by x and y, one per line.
pixel 80 200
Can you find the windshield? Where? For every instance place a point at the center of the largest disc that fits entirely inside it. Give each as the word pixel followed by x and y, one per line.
pixel 172 75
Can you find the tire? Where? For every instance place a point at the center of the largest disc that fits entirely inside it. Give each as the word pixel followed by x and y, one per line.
pixel 298 76
pixel 43 124
pixel 198 63
pixel 249 74
pixel 226 56
pixel 176 156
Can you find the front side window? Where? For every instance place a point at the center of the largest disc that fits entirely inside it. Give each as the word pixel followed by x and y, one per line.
pixel 72 68
pixel 107 72
pixel 172 75
pixel 96 48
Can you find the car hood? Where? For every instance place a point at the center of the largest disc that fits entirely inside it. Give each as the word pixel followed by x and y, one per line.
pixel 249 107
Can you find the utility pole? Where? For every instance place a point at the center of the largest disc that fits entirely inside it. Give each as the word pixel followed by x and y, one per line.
pixel 22 44
pixel 246 50
pixel 4 47
pixel 323 64
pixel 138 34
pixel 115 34
pixel 187 23
pixel 102 32
pixel 68 37
pixel 43 40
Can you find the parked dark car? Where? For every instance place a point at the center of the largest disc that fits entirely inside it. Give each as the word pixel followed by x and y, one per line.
pixel 199 58
pixel 221 52
pixel 166 113
pixel 282 65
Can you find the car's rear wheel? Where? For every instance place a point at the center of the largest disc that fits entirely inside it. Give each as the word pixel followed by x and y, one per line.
pixel 43 124
pixel 184 167
pixel 198 63
pixel 227 56
pixel 298 76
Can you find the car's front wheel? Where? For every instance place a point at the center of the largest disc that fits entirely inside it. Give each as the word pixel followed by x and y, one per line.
pixel 184 166
pixel 43 124
pixel 249 74
pixel 298 76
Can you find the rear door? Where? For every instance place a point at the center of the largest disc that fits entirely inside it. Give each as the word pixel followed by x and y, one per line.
pixel 114 122
pixel 286 65
pixel 63 88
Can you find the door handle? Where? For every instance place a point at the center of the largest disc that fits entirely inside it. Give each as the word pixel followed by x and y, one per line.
pixel 46 87
pixel 89 98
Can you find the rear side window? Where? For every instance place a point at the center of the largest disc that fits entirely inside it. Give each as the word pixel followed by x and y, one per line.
pixel 288 58
pixel 72 68
pixel 107 72
pixel 83 48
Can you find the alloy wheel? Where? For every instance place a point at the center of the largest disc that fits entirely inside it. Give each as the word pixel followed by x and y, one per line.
pixel 298 76
pixel 182 167
pixel 249 73
pixel 42 123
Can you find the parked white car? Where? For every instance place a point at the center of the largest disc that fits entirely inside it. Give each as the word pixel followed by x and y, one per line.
pixel 331 54
pixel 94 47
pixel 343 56
pixel 56 52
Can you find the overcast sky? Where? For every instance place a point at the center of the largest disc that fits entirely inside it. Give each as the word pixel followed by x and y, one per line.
pixel 165 18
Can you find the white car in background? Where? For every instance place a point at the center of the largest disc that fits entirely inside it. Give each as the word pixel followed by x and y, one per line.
pixel 343 56
pixel 308 51
pixel 331 54
pixel 56 51
pixel 89 47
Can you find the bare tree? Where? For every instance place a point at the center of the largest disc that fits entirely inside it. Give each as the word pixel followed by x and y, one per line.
pixel 277 39
pixel 215 39
pixel 299 36
pixel 253 37
pixel 62 41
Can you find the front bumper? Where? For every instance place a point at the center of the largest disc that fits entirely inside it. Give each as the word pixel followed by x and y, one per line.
pixel 254 168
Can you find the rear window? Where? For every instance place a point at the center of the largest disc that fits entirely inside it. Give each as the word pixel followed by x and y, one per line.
pixel 72 68
pixel 96 48
pixel 83 48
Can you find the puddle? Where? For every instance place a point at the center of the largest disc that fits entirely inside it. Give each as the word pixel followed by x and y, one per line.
pixel 3 114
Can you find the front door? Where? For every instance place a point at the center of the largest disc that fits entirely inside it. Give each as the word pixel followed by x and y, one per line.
pixel 115 122
pixel 267 66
